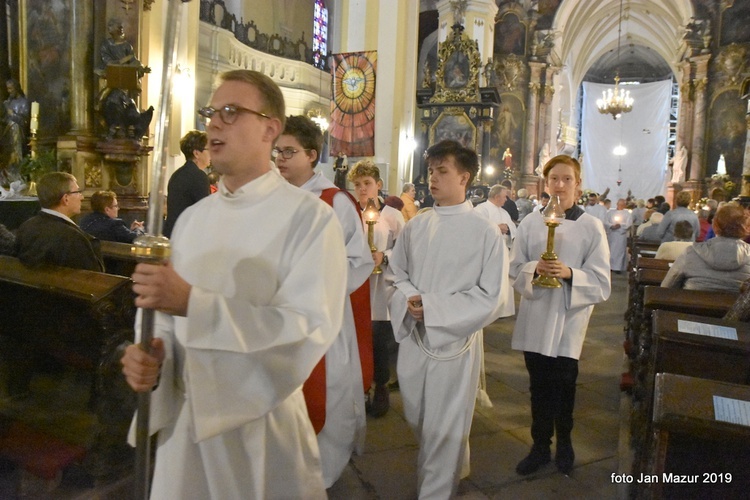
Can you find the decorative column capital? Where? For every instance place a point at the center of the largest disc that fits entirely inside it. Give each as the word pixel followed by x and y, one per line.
pixel 700 84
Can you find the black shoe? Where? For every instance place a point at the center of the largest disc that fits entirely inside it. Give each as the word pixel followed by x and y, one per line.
pixel 533 461
pixel 380 401
pixel 564 458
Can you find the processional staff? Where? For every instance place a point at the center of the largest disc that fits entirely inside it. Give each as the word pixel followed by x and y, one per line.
pixel 152 247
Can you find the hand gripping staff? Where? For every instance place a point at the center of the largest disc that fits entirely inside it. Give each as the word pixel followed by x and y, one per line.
pixel 153 247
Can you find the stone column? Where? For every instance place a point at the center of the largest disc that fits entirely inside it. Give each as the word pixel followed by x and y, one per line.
pixel 532 107
pixel 480 25
pixel 700 83
pixel 545 108
pixel 81 66
pixel 684 113
pixel 746 159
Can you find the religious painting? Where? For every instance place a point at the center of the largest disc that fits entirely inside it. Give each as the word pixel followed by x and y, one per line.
pixel 735 27
pixel 457 74
pixel 510 36
pixel 353 105
pixel 547 10
pixel 48 56
pixel 727 133
pixel 454 124
pixel 507 133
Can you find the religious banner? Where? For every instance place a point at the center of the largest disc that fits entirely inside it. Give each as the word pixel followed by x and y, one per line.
pixel 353 106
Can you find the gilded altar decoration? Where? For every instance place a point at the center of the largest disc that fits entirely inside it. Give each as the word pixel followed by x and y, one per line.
pixel 459 64
pixel 353 105
pixel 511 72
pixel 454 124
pixel 731 63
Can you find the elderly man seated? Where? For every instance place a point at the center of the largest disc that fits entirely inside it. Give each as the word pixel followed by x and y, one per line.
pixel 51 237
pixel 103 222
pixel 719 264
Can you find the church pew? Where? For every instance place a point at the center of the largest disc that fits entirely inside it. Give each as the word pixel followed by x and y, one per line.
pixel 61 339
pixel 653 263
pixel 118 258
pixel 691 444
pixel 686 354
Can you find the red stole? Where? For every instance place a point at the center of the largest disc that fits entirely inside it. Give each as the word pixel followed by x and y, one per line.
pixel 314 387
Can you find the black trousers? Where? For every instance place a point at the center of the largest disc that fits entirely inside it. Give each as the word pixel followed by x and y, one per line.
pixel 382 337
pixel 553 392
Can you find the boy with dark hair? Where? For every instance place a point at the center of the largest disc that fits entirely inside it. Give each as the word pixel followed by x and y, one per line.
pixel 335 392
pixel 443 299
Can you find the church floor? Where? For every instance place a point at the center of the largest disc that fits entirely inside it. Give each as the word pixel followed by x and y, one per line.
pixel 499 436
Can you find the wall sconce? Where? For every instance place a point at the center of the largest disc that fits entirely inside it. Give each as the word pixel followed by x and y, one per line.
pixel 182 79
pixel 320 120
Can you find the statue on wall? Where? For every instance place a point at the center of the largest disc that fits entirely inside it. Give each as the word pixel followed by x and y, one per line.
pixel 679 162
pixel 117 50
pixel 115 103
pixel 18 111
pixel 341 168
pixel 11 148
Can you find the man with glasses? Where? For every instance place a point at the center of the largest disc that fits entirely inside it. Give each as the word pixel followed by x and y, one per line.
pixel 250 301
pixel 189 183
pixel 103 222
pixel 51 237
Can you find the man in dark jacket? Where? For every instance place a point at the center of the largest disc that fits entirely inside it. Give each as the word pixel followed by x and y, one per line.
pixel 189 183
pixel 51 237
pixel 103 222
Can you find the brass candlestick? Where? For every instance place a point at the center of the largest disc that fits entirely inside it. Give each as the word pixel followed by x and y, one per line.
pixel 553 217
pixel 371 216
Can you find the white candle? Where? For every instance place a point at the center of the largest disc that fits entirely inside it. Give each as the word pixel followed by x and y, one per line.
pixel 34 126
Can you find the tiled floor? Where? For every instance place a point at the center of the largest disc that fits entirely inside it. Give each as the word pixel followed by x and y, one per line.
pixel 499 436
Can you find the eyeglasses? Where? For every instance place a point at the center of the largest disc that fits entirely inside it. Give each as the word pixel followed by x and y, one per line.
pixel 80 191
pixel 228 113
pixel 285 153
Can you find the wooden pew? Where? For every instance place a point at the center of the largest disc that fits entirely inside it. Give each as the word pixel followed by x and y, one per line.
pixel 117 258
pixel 61 336
pixel 689 441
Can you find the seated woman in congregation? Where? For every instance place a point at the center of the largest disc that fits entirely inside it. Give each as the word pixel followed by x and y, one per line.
pixel 719 264
pixel 103 222
pixel 683 238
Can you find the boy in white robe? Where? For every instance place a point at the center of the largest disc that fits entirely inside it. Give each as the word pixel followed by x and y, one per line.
pixel 297 152
pixel 365 176
pixel 493 210
pixel 551 322
pixel 252 298
pixel 450 268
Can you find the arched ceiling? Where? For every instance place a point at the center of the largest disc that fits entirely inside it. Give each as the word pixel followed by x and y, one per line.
pixel 587 35
pixel 635 62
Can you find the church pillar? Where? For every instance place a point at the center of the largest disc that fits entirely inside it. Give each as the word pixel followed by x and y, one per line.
pixel 746 159
pixel 684 115
pixel 81 66
pixel 545 108
pixel 527 163
pixel 700 83
pixel 480 25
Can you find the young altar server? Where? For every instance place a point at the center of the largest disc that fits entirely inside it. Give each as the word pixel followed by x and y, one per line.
pixel 493 210
pixel 551 322
pixel 365 176
pixel 451 269
pixel 251 300
pixel 618 222
pixel 335 396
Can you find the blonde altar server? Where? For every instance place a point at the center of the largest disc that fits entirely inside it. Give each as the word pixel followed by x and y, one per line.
pixel 446 291
pixel 493 210
pixel 551 322
pixel 618 225
pixel 251 300
pixel 343 421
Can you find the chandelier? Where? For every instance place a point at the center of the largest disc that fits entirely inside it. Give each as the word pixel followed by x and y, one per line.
pixel 615 101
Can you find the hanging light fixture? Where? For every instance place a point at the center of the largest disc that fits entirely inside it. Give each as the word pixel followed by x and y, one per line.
pixel 616 101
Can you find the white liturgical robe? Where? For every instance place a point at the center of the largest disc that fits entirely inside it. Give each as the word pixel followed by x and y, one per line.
pixel 457 261
pixel 618 238
pixel 344 429
pixel 498 215
pixel 553 321
pixel 268 270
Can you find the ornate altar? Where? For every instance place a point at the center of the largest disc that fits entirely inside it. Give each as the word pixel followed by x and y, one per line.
pixel 457 107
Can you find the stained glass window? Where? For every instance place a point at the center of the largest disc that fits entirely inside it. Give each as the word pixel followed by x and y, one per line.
pixel 320 34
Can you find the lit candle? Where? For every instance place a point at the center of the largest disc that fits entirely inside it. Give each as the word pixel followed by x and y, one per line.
pixel 34 125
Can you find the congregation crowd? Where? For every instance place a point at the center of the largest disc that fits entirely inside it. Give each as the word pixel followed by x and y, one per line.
pixel 277 313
